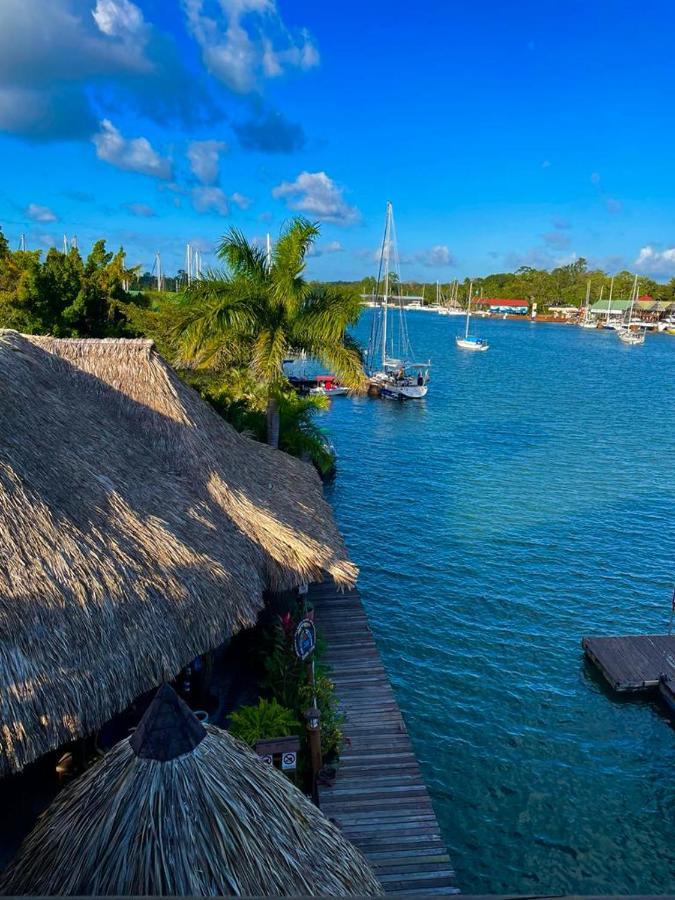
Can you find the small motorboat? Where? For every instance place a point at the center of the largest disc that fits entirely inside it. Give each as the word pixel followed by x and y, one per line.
pixel 328 386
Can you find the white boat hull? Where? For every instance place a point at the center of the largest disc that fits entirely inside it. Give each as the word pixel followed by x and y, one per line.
pixel 329 392
pixel 632 338
pixel 464 344
pixel 392 391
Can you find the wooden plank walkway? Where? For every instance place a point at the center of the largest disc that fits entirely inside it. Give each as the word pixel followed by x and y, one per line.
pixel 632 662
pixel 379 799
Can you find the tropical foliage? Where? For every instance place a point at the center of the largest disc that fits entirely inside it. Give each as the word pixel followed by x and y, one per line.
pixel 63 294
pixel 258 311
pixel 287 681
pixel 267 719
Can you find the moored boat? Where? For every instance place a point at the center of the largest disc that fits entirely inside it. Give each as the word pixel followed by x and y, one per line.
pixel 626 334
pixel 470 342
pixel 328 386
pixel 587 321
pixel 391 374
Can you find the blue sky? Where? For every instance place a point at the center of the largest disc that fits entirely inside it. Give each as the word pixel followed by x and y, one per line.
pixel 504 134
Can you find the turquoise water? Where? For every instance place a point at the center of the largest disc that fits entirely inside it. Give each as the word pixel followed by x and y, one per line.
pixel 530 500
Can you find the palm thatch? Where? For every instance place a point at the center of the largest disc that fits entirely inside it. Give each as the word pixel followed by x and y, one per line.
pixel 182 809
pixel 137 530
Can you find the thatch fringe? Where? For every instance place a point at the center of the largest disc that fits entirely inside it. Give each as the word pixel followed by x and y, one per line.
pixel 137 530
pixel 216 820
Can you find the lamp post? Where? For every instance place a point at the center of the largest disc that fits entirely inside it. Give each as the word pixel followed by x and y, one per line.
pixel 313 719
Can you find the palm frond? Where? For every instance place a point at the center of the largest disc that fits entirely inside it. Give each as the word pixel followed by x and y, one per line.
pixel 242 257
pixel 269 350
pixel 326 312
pixel 214 315
pixel 343 360
pixel 288 262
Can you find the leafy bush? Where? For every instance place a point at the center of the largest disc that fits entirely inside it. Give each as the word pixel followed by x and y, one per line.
pixel 332 720
pixel 287 681
pixel 266 720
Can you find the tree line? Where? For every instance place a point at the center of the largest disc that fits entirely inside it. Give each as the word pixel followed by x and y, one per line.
pixel 565 286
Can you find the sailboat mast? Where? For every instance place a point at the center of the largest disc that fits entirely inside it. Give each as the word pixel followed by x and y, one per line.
pixel 632 300
pixel 588 298
pixel 268 253
pixel 385 298
pixel 609 304
pixel 468 310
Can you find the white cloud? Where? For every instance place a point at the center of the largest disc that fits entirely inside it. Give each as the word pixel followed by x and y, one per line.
pixel 317 195
pixel 130 154
pixel 323 249
pixel 656 262
pixel 118 18
pixel 204 159
pixel 49 57
pixel 241 200
pixel 439 255
pixel 40 213
pixel 248 42
pixel 210 199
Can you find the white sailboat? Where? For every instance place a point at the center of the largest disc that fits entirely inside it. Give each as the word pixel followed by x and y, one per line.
pixel 609 325
pixel 393 377
pixel 470 342
pixel 452 308
pixel 626 334
pixel 586 320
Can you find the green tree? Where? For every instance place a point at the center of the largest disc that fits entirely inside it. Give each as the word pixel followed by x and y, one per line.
pixel 255 314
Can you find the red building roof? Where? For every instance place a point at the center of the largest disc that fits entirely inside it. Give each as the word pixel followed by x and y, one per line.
pixel 497 301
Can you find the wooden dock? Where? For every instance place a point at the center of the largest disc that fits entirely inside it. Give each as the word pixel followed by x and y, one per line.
pixel 379 799
pixel 632 662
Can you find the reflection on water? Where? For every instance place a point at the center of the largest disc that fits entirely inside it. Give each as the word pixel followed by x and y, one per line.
pixel 528 501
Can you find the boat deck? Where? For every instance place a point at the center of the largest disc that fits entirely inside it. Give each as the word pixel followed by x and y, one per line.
pixel 632 662
pixel 379 799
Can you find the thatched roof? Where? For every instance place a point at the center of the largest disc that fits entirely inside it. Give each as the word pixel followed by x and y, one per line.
pixel 137 530
pixel 182 809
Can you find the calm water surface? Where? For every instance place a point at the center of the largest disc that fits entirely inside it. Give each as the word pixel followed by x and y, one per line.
pixel 530 500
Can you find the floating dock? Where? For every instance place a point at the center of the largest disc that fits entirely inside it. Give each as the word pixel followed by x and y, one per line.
pixel 379 799
pixel 633 662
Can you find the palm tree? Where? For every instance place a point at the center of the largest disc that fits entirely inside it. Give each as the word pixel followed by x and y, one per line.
pixel 260 310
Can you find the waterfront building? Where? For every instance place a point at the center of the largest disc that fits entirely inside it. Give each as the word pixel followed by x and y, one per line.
pixel 504 307
pixel 138 531
pixel 180 809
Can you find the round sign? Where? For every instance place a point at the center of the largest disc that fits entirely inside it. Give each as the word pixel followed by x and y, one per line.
pixel 305 638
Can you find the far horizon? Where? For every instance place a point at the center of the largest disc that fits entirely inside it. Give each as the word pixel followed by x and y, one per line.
pixel 507 142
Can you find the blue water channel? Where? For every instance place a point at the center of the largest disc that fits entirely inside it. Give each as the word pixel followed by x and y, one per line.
pixel 527 502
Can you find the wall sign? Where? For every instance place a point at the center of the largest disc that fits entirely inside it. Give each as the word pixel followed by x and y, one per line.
pixel 289 761
pixel 305 638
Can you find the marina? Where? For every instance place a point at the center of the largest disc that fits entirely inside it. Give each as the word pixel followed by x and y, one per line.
pixel 495 524
pixel 332 565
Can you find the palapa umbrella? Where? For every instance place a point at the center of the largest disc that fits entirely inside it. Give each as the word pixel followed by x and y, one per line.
pixel 180 808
